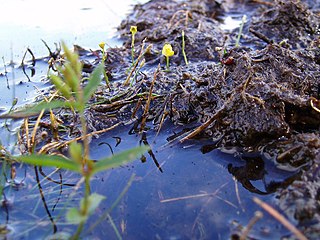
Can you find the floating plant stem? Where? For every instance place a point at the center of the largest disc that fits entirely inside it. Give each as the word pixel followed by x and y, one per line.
pixel 244 19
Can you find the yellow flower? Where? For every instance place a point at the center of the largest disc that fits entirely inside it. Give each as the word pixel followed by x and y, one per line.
pixel 133 30
pixel 167 50
pixel 102 45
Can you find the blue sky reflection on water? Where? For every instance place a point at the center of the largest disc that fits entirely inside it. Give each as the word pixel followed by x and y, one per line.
pixel 23 23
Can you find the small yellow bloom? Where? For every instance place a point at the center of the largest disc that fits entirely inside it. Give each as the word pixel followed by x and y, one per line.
pixel 133 30
pixel 102 45
pixel 167 50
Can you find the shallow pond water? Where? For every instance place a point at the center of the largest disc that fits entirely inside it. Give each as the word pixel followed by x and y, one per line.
pixel 193 196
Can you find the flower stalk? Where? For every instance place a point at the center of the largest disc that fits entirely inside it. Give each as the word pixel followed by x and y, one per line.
pixel 167 52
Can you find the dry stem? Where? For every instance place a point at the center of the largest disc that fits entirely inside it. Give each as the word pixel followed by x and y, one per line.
pixel 274 213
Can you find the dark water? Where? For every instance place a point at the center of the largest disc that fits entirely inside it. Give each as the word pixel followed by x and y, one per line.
pixel 194 197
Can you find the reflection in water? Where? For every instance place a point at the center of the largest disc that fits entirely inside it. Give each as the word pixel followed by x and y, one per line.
pixel 194 197
pixel 254 170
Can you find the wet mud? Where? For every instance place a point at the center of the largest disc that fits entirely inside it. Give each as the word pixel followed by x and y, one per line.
pixel 261 97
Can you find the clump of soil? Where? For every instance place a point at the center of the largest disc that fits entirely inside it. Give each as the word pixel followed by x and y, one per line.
pixel 261 97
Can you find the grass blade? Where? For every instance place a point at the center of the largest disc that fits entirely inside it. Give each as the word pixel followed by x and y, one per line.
pixel 36 109
pixel 94 81
pixel 119 159
pixel 50 161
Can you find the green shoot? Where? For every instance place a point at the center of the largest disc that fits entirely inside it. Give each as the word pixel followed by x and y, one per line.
pixel 244 19
pixel 133 30
pixel 104 57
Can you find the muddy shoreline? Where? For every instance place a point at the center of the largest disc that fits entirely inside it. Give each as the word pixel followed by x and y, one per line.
pixel 261 97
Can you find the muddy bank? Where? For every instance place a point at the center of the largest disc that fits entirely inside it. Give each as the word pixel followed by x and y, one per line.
pixel 263 96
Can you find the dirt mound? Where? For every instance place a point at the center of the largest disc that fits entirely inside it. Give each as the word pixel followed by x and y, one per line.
pixel 260 97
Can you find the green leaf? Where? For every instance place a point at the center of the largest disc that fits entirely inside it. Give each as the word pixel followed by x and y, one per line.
pixel 50 161
pixel 61 86
pixel 73 58
pixel 119 159
pixel 75 150
pixel 94 81
pixel 36 109
pixel 71 77
pixel 74 216
pixel 94 201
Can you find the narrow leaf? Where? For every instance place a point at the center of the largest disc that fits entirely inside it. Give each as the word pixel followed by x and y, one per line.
pixel 73 58
pixel 36 109
pixel 94 81
pixel 61 86
pixel 75 150
pixel 119 159
pixel 71 77
pixel 75 217
pixel 94 201
pixel 50 161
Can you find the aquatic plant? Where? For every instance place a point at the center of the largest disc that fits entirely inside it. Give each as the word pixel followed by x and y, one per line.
pixel 133 30
pixel 167 52
pixel 68 84
pixel 104 57
pixel 243 21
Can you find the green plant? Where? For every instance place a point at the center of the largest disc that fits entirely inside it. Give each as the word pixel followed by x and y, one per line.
pixel 133 30
pixel 167 52
pixel 183 48
pixel 104 57
pixel 243 21
pixel 68 85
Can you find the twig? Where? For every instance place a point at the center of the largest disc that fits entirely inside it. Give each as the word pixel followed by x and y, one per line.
pixel 274 213
pixel 261 36
pixel 194 196
pixel 33 135
pixel 33 63
pixel 137 61
pixel 257 216
pixel 316 108
pixel 237 193
pixel 57 145
pixel 26 126
pixel 204 125
pixel 114 227
pixel 263 2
